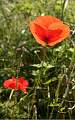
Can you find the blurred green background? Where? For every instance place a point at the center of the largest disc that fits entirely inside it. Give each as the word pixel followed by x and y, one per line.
pixel 19 51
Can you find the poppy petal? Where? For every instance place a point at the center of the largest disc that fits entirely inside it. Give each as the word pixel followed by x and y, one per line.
pixel 10 84
pixel 23 81
pixel 60 35
pixel 46 21
pixel 38 32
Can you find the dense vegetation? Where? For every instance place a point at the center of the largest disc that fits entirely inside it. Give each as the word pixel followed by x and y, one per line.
pixel 51 77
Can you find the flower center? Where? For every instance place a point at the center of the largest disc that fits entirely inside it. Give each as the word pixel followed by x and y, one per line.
pixel 46 39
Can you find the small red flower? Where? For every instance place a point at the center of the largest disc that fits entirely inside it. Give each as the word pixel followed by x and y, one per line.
pixel 49 30
pixel 16 84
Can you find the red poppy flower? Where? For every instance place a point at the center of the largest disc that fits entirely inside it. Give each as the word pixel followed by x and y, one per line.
pixel 16 84
pixel 49 30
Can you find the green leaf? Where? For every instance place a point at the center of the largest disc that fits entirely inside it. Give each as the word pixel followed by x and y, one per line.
pixel 43 64
pixel 54 104
pixel 51 80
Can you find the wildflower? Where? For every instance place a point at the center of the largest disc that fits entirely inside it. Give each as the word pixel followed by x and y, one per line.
pixel 16 84
pixel 49 30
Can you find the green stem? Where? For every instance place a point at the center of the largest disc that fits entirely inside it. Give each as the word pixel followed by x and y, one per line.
pixel 11 94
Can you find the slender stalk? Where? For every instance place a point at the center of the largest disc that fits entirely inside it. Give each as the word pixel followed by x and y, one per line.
pixel 11 94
